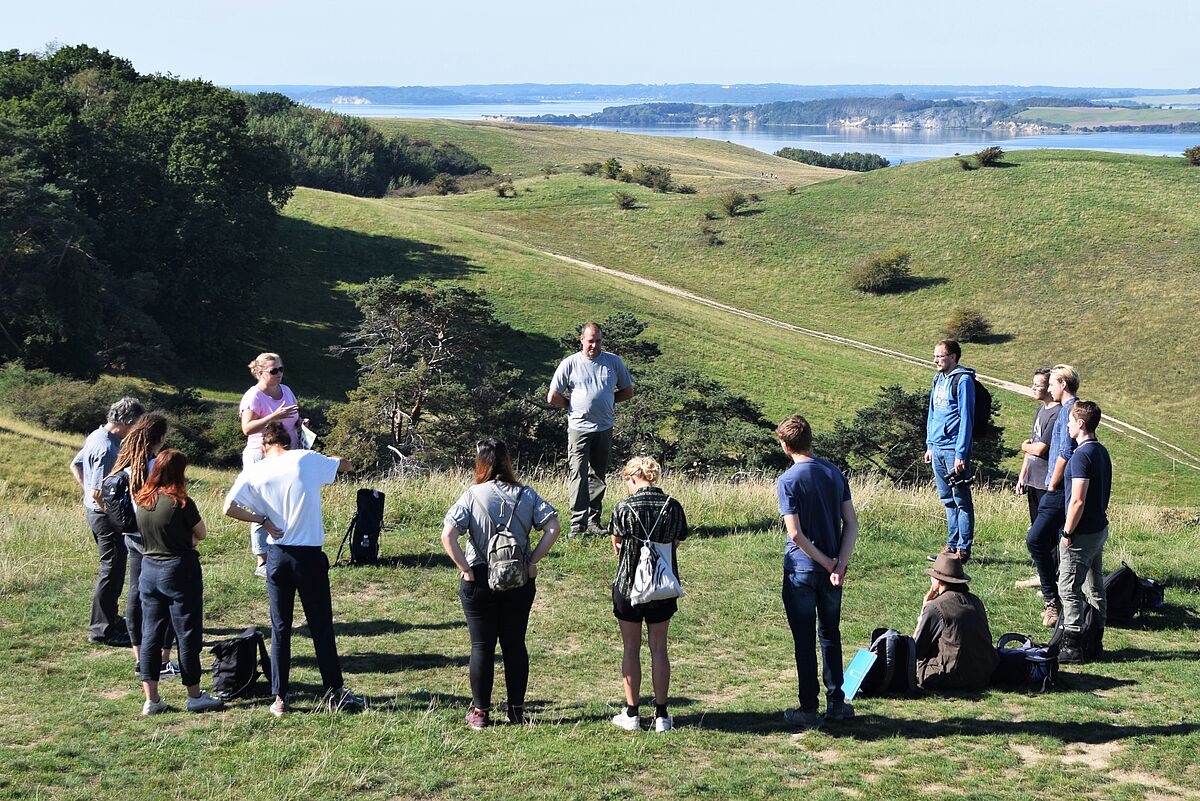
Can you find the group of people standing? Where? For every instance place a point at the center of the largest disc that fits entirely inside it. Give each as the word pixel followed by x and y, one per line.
pixel 278 492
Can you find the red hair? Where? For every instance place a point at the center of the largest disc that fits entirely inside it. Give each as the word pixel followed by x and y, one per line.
pixel 166 478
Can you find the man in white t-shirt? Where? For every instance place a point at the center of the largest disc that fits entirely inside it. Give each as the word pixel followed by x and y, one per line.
pixel 282 493
pixel 589 384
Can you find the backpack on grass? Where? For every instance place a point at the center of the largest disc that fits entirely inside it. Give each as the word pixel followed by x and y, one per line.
pixel 895 669
pixel 118 503
pixel 363 532
pixel 236 664
pixel 1024 664
pixel 1128 594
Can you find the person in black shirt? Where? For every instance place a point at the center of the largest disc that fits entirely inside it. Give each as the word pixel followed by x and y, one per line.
pixel 1088 484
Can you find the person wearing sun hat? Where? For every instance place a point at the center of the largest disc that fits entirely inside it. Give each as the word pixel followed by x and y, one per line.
pixel 954 643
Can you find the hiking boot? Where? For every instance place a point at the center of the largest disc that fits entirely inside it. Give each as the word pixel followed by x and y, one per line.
pixel 1032 581
pixel 1050 614
pixel 838 710
pixel 279 707
pixel 596 530
pixel 965 556
pixel 477 719
pixel 662 724
pixel 626 721
pixel 1070 653
pixel 154 707
pixel 946 551
pixel 803 720
pixel 342 700
pixel 203 703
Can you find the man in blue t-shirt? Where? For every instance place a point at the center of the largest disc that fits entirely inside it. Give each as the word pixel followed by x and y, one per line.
pixel 821 525
pixel 1088 483
pixel 1043 536
pixel 948 432
pixel 589 384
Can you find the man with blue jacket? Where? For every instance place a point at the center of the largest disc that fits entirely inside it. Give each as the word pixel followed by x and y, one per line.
pixel 948 430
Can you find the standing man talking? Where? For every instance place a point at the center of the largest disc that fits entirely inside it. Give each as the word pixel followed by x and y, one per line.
pixel 948 431
pixel 589 384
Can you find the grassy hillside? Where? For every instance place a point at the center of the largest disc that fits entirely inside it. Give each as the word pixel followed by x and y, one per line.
pixel 1092 117
pixel 1124 728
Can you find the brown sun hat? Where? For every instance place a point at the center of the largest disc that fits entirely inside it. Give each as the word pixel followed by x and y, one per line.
pixel 949 569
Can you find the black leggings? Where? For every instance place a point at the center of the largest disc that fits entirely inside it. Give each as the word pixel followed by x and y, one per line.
pixel 497 616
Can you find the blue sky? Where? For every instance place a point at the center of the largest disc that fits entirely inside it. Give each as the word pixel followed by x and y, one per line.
pixel 1151 43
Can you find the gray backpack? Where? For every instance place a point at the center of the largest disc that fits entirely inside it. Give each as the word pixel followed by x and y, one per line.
pixel 507 549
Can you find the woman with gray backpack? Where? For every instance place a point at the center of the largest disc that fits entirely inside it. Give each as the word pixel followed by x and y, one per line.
pixel 497 573
pixel 646 528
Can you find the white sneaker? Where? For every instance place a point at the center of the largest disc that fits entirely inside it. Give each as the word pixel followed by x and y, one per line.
pixel 261 571
pixel 154 707
pixel 203 703
pixel 664 724
pixel 626 721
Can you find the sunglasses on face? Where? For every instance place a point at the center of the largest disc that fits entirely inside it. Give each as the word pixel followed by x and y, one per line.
pixel 274 370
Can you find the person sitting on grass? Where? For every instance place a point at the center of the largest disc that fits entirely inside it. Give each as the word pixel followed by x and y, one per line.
pixel 647 514
pixel 171 585
pixel 954 643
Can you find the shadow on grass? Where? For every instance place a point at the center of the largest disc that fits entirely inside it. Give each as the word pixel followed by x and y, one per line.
pixel 992 339
pixel 389 663
pixel 432 559
pixel 1142 655
pixel 877 727
pixel 1169 616
pixel 765 524
pixel 378 628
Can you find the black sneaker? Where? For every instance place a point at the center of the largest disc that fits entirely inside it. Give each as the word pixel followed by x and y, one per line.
pixel 118 639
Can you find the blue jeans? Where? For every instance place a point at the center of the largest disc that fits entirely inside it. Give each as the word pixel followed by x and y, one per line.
pixel 1042 542
pixel 303 570
pixel 172 599
pixel 960 510
pixel 1081 577
pixel 811 602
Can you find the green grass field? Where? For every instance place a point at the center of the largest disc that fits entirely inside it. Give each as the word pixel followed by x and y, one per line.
pixel 1125 728
pixel 1087 117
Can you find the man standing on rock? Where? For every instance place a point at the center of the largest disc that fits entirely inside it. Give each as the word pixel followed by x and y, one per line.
pixel 948 431
pixel 589 384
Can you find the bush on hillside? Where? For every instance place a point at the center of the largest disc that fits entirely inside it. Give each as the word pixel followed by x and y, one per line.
pixel 859 162
pixel 1192 154
pixel 624 200
pixel 506 189
pixel 967 325
pixel 989 156
pixel 732 202
pixel 966 165
pixel 591 167
pixel 611 169
pixel 654 176
pixel 444 184
pixel 710 236
pixel 883 272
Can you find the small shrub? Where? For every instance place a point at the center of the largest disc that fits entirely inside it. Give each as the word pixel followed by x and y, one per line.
pixel 624 200
pixel 625 177
pixel 654 176
pixel 732 202
pixel 883 272
pixel 710 236
pixel 444 184
pixel 989 156
pixel 711 215
pixel 506 189
pixel 967 325
pixel 754 197
pixel 792 189
pixel 549 170
pixel 685 189
pixel 1192 154
pixel 591 167
pixel 966 165
pixel 611 169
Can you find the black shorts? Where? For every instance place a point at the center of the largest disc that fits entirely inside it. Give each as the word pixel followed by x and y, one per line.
pixel 653 612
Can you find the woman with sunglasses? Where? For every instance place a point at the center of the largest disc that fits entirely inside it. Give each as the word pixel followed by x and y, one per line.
pixel 267 401
pixel 496 499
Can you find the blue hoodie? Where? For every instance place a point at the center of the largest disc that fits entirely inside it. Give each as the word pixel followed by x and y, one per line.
pixel 948 424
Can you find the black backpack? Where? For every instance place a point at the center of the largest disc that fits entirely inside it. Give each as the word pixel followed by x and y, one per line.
pixel 363 532
pixel 895 668
pixel 118 505
pixel 1127 594
pixel 1025 665
pixel 981 417
pixel 1089 645
pixel 236 664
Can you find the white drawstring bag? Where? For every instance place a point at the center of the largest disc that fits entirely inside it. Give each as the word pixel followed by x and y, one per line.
pixel 653 579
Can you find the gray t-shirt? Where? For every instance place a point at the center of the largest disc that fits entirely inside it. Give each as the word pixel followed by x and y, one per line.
pixel 590 385
pixel 475 509
pixel 1043 431
pixel 96 459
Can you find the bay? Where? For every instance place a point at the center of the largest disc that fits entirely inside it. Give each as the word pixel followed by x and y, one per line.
pixel 895 144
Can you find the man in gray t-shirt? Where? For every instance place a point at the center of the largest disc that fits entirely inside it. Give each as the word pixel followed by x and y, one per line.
pixel 1032 480
pixel 89 467
pixel 589 384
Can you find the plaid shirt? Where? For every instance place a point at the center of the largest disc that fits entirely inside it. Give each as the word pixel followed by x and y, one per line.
pixel 645 505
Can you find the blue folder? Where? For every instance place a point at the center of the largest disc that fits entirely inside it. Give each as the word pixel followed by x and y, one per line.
pixel 856 671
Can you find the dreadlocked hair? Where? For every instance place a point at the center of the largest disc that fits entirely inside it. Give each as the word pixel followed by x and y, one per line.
pixel 144 438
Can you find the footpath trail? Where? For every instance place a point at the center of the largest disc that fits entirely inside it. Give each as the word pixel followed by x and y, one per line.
pixel 1142 437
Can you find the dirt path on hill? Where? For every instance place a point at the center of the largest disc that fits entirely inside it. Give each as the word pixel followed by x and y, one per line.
pixel 1142 437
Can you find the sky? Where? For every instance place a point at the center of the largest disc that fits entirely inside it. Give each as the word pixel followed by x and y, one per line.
pixel 1150 44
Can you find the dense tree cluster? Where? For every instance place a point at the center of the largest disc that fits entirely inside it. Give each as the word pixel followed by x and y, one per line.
pixel 859 162
pixel 137 211
pixel 345 154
